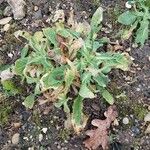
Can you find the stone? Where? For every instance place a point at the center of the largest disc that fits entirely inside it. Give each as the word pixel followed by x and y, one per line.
pixel 135 130
pixel 44 130
pixel 6 20
pixel 125 120
pixel 147 117
pixel 17 124
pixel 36 8
pixel 128 5
pixel 6 27
pixel 15 138
pixel 6 74
pixel 38 14
pixel 147 131
pixel 17 8
pixel 40 137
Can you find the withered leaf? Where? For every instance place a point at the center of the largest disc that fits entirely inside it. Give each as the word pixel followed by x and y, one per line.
pixel 99 136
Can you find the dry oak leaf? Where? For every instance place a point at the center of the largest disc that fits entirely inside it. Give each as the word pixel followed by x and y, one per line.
pixel 99 136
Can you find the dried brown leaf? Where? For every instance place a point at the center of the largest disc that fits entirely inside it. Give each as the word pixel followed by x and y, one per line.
pixel 76 45
pixel 99 136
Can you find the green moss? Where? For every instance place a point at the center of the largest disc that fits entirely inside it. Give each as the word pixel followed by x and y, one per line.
pixel 96 2
pixel 10 87
pixel 5 110
pixel 36 118
pixel 139 111
pixel 64 134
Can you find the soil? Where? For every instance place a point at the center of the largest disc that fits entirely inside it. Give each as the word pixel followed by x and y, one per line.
pixel 131 89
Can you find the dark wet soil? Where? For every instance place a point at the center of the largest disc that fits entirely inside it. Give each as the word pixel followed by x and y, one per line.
pixel 131 89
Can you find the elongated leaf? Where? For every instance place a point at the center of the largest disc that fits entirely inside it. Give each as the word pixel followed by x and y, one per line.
pixel 50 35
pixel 127 18
pixel 97 19
pixel 20 65
pixel 142 32
pixel 85 92
pixel 69 77
pixel 101 79
pixel 107 96
pixel 29 101
pixel 24 51
pixel 77 111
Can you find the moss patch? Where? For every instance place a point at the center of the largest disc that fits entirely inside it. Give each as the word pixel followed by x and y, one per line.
pixel 139 111
pixel 5 110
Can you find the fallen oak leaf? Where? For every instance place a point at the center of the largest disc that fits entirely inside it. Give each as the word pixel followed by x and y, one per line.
pixel 99 136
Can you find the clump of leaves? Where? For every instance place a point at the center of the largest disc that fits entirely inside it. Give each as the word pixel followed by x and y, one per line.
pixel 59 61
pixel 138 19
pixel 99 136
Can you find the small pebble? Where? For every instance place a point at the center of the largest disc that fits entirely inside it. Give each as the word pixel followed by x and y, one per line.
pixel 31 148
pixel 116 123
pixel 147 117
pixel 125 120
pixel 128 5
pixel 25 138
pixel 135 130
pixel 17 124
pixel 44 130
pixel 15 138
pixel 40 137
pixel 147 129
pixel 36 8
pixel 4 21
pixel 59 147
pixel 6 27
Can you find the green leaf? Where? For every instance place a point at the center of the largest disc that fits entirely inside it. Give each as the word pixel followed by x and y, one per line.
pixel 127 18
pixel 23 34
pixel 143 32
pixel 29 101
pixel 107 96
pixel 97 18
pixel 50 34
pixel 96 45
pixel 65 33
pixel 77 111
pixel 4 67
pixel 20 65
pixel 63 102
pixel 147 3
pixel 24 51
pixel 101 79
pixel 85 92
pixel 54 78
pixel 69 77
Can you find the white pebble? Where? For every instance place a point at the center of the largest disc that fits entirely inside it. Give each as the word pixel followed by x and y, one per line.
pixel 128 5
pixel 6 27
pixel 125 120
pixel 5 20
pixel 40 137
pixel 15 138
pixel 147 117
pixel 36 8
pixel 44 130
